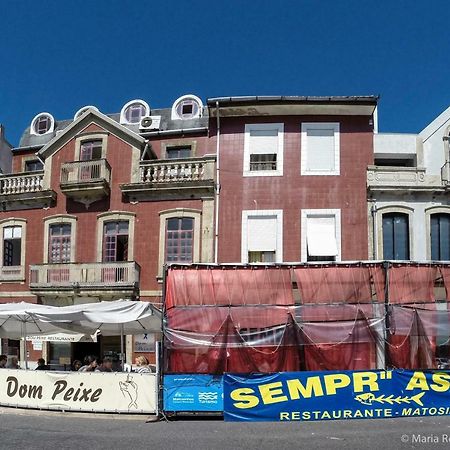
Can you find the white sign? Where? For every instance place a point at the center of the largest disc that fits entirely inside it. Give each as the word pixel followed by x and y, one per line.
pixel 79 391
pixel 144 343
pixel 61 337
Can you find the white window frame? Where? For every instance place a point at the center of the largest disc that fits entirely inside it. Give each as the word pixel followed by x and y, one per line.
pixel 305 213
pixel 304 147
pixel 83 110
pixel 123 119
pixel 14 222
pixel 174 115
pixel 36 117
pixel 280 151
pixel 244 233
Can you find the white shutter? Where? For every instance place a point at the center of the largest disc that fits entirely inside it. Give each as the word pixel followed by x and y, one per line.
pixel 263 141
pixel 262 233
pixel 320 149
pixel 321 236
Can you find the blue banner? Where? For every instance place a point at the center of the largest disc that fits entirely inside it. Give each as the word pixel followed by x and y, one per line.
pixel 307 396
pixel 193 393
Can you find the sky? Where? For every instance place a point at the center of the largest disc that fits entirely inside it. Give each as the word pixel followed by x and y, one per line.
pixel 57 56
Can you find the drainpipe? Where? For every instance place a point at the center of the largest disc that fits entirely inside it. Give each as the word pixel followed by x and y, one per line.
pixel 216 232
pixel 374 229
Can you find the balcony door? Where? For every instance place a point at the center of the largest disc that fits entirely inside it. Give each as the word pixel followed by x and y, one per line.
pixel 115 249
pixel 59 243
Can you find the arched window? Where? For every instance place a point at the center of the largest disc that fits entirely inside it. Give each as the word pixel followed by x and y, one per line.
pixel 187 107
pixel 82 110
pixel 42 123
pixel 396 236
pixel 134 111
pixel 440 237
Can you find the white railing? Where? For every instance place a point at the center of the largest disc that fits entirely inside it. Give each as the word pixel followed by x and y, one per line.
pixel 21 183
pixel 12 273
pixel 396 176
pixel 81 171
pixel 105 274
pixel 445 173
pixel 177 171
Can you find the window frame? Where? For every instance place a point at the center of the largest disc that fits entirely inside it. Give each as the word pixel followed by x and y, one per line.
pixel 438 209
pixel 55 220
pixel 36 118
pixel 381 210
pixel 186 99
pixel 179 230
pixel 249 127
pixel 88 137
pixel 116 235
pixel 305 126
pixel 304 214
pixel 123 112
pixel 115 216
pixel 14 222
pixel 179 213
pixel 59 238
pixel 246 214
pixel 167 145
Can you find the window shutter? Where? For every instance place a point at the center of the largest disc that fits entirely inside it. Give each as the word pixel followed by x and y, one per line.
pixel 321 236
pixel 262 233
pixel 263 141
pixel 320 149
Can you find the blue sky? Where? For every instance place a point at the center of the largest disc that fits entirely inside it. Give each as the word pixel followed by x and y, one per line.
pixel 57 56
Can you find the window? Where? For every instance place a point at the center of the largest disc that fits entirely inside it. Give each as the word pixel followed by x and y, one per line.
pixel 33 165
pixel 42 123
pixel 12 246
pixel 82 110
pixel 115 241
pixel 321 235
pixel 187 107
pixel 262 236
pixel 178 152
pixel 133 112
pixel 320 151
pixel 59 250
pixel 263 149
pixel 440 237
pixel 91 150
pixel 179 240
pixel 395 236
pixel 321 240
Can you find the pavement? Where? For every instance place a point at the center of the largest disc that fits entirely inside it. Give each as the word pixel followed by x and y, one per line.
pixel 52 430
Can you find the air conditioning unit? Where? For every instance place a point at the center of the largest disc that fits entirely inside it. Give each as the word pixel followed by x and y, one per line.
pixel 150 123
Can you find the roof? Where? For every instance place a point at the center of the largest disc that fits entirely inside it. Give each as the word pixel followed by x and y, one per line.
pixel 439 122
pixel 294 99
pixel 29 140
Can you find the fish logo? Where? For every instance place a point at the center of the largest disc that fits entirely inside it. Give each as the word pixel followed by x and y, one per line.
pixel 369 398
pixel 130 388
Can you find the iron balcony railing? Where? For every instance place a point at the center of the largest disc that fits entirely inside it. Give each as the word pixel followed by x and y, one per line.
pixel 85 171
pixel 102 274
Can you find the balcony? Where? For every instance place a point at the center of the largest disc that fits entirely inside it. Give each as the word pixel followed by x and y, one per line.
pixel 112 279
pixel 400 179
pixel 86 181
pixel 173 179
pixel 12 273
pixel 24 191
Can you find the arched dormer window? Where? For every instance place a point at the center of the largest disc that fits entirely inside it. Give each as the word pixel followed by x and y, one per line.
pixel 82 110
pixel 187 107
pixel 134 111
pixel 42 123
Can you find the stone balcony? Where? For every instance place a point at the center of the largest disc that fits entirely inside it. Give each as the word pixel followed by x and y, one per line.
pixel 24 191
pixel 112 279
pixel 86 181
pixel 401 179
pixel 173 179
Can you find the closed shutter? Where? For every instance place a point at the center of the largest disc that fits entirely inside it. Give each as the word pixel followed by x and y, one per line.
pixel 321 236
pixel 320 149
pixel 262 233
pixel 263 141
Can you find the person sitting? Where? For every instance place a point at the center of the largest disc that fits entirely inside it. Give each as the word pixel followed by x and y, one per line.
pixel 76 365
pixel 3 360
pixel 90 364
pixel 41 364
pixel 106 365
pixel 142 364
pixel 13 363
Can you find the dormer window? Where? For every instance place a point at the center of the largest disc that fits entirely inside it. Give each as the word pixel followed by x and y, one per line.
pixel 43 123
pixel 82 110
pixel 134 111
pixel 187 107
